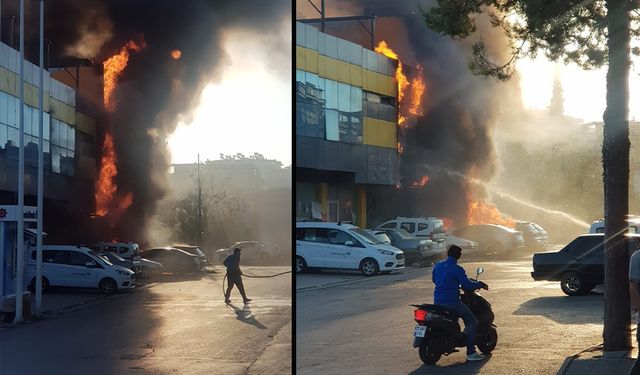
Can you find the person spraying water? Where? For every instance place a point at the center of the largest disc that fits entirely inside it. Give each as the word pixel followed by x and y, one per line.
pixel 234 276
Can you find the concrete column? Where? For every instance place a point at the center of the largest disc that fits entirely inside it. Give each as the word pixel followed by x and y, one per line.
pixel 362 206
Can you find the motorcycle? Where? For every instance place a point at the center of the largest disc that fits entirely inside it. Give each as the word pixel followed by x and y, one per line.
pixel 438 331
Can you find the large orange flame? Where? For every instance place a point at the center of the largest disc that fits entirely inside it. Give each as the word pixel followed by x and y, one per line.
pixel 417 91
pixel 113 67
pixel 486 213
pixel 105 187
pixel 447 223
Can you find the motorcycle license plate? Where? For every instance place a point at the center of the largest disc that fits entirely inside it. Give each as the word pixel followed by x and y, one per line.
pixel 420 331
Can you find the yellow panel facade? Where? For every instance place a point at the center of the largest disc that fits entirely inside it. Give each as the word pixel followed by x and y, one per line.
pixel 369 131
pixel 300 58
pixel 322 66
pixel 371 81
pixel 331 66
pixel 8 82
pixel 356 75
pixel 344 72
pixel 62 112
pixel 311 62
pixel 85 124
pixel 388 134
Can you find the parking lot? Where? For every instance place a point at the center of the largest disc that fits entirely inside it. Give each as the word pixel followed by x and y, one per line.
pixel 178 325
pixel 371 321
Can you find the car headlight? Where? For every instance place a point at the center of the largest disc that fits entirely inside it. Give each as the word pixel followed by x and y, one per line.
pixel 123 273
pixel 385 252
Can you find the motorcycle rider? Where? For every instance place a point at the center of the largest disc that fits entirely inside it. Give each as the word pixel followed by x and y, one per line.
pixel 448 277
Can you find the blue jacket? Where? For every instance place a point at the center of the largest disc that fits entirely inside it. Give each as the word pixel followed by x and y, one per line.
pixel 448 276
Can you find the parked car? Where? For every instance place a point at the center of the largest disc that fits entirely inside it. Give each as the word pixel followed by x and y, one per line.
pixel 634 225
pixel 492 237
pixel 76 266
pixel 424 228
pixel 173 260
pixel 381 235
pixel 254 253
pixel 463 243
pixel 150 268
pixel 127 250
pixel 579 266
pixel 343 246
pixel 194 250
pixel 120 261
pixel 534 238
pixel 414 248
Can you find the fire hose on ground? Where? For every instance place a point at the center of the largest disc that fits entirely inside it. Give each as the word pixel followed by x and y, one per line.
pixel 224 280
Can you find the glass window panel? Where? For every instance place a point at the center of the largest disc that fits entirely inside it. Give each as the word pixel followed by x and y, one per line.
pixel 55 131
pixel 47 126
pixel 12 104
pixel 356 99
pixel 31 150
pixel 311 38
pixel 13 134
pixel 313 90
pixel 331 46
pixel 383 65
pixel 71 144
pixel 331 94
pixel 332 125
pixel 344 97
pixel 372 109
pixel 372 60
pixel 4 108
pixel 46 148
pixel 4 137
pixel 343 124
pixel 55 159
pixel 356 54
pixel 356 129
pixel 300 86
pixel 35 122
pixel 344 50
pixel 321 43
pixel 300 125
pixel 27 119
pixel 300 34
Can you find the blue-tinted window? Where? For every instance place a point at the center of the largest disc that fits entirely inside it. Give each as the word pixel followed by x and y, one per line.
pixel 332 133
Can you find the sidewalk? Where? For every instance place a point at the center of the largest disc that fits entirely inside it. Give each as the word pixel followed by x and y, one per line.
pixel 592 362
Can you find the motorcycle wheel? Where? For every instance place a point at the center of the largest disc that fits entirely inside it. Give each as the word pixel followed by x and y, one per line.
pixel 429 357
pixel 488 341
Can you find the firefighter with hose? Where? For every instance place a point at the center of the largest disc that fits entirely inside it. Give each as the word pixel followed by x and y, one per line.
pixel 234 276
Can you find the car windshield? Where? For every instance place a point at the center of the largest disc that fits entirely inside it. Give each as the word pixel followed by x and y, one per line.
pixel 113 257
pixel 438 226
pixel 383 237
pixel 404 234
pixel 365 236
pixel 100 259
pixel 136 249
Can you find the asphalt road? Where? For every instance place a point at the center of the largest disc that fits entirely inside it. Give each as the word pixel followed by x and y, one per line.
pixel 178 326
pixel 358 325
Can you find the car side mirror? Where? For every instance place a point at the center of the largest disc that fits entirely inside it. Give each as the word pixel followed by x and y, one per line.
pixel 349 243
pixel 90 264
pixel 479 271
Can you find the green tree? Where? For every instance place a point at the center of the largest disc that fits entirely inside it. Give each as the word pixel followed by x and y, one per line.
pixel 590 33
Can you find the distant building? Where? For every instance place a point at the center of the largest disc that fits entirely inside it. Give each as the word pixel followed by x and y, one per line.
pixel 346 126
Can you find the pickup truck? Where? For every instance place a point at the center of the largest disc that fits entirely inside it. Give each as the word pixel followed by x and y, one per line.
pixel 579 266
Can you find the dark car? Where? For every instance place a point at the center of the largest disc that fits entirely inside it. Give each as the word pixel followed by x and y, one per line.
pixel 492 238
pixel 414 249
pixel 535 238
pixel 579 266
pixel 194 250
pixel 120 261
pixel 172 259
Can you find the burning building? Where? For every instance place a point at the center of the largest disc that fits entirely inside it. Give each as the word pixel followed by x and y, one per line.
pixel 346 126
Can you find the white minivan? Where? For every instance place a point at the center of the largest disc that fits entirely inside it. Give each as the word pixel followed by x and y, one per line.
pixel 127 250
pixel 422 227
pixel 76 266
pixel 345 246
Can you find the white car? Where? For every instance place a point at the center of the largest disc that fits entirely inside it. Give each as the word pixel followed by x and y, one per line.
pixel 127 250
pixel 76 266
pixel 464 244
pixel 343 246
pixel 431 228
pixel 634 225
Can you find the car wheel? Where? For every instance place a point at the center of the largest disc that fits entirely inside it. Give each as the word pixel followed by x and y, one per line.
pixel 45 285
pixel 301 265
pixel 429 357
pixel 572 283
pixel 369 267
pixel 488 341
pixel 107 285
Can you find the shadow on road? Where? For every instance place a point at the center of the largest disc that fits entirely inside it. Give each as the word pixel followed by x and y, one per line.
pixel 245 315
pixel 458 368
pixel 177 277
pixel 564 309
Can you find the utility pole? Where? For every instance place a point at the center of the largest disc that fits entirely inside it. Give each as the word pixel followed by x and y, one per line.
pixel 199 205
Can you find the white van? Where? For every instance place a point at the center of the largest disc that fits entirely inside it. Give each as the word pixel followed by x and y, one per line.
pixel 127 250
pixel 345 246
pixel 422 227
pixel 75 266
pixel 634 225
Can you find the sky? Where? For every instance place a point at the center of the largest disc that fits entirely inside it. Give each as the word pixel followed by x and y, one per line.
pixel 247 111
pixel 584 91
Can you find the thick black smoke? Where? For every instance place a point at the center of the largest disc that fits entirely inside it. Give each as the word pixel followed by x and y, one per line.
pixel 455 133
pixel 155 90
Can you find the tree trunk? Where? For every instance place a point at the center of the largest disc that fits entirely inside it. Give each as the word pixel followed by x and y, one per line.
pixel 615 162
